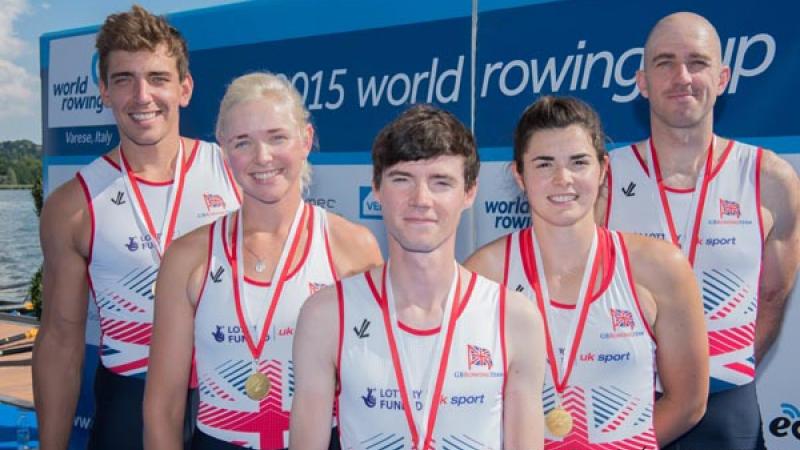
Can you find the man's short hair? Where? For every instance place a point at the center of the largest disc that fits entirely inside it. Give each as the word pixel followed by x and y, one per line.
pixel 424 132
pixel 137 30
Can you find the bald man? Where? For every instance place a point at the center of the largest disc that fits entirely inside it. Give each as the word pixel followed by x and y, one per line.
pixel 732 208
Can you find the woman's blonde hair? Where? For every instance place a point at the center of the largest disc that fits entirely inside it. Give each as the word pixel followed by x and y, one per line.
pixel 275 88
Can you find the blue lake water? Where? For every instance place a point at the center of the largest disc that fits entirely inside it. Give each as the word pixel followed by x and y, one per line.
pixel 20 254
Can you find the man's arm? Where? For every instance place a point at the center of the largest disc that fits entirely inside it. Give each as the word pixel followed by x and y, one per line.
pixel 664 279
pixel 316 344
pixel 523 422
pixel 353 246
pixel 180 278
pixel 489 260
pixel 780 198
pixel 65 232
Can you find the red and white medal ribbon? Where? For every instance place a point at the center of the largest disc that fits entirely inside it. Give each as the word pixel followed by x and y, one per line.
pixel 694 218
pixel 561 368
pixel 142 213
pixel 420 423
pixel 276 286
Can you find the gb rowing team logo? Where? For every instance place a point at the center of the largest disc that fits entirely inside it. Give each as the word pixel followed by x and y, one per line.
pixel 730 213
pixel 215 205
pixel 479 364
pixel 621 318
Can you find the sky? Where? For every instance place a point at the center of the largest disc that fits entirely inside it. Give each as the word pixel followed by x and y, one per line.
pixel 22 22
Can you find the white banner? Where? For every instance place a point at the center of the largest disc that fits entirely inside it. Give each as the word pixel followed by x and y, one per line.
pixel 73 96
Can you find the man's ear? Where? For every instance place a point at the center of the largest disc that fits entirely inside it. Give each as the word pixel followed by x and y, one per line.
pixel 724 78
pixel 104 95
pixel 187 87
pixel 641 83
pixel 471 194
pixel 376 192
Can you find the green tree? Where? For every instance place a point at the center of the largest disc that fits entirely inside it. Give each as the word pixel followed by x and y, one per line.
pixel 11 176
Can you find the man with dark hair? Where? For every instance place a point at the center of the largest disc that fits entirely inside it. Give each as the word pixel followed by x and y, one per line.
pixel 104 232
pixel 732 208
pixel 423 351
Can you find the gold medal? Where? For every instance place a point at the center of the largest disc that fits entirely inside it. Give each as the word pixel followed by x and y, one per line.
pixel 258 385
pixel 558 421
pixel 153 289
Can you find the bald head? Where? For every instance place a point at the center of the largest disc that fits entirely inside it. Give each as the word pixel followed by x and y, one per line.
pixel 683 73
pixel 683 25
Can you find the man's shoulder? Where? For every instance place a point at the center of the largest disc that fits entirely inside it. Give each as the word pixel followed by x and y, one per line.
pixel 775 168
pixel 780 189
pixel 102 164
pixel 65 214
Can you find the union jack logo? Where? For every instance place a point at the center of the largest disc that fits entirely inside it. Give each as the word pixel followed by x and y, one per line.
pixel 621 318
pixel 478 356
pixel 213 201
pixel 728 208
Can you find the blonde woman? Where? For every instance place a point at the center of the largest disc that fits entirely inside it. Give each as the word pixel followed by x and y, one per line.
pixel 233 290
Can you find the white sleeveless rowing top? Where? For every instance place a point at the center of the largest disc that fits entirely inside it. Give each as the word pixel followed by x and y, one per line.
pixel 611 387
pixel 728 261
pixel 222 356
pixel 122 261
pixel 370 409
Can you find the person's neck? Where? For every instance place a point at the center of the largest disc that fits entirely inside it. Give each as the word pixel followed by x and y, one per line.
pixel 421 283
pixel 564 249
pixel 681 151
pixel 153 162
pixel 270 218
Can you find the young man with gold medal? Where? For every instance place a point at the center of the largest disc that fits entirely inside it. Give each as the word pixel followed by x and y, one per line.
pixel 421 352
pixel 105 231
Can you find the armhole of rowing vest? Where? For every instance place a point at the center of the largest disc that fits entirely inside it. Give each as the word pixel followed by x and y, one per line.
pixel 211 230
pixel 325 233
pixel 92 225
pixel 609 193
pixel 632 285
pixel 310 235
pixel 340 307
pixel 759 154
pixel 503 348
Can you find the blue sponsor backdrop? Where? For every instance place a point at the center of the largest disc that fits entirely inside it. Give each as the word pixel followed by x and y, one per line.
pixel 359 63
pixel 553 43
pixel 354 82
